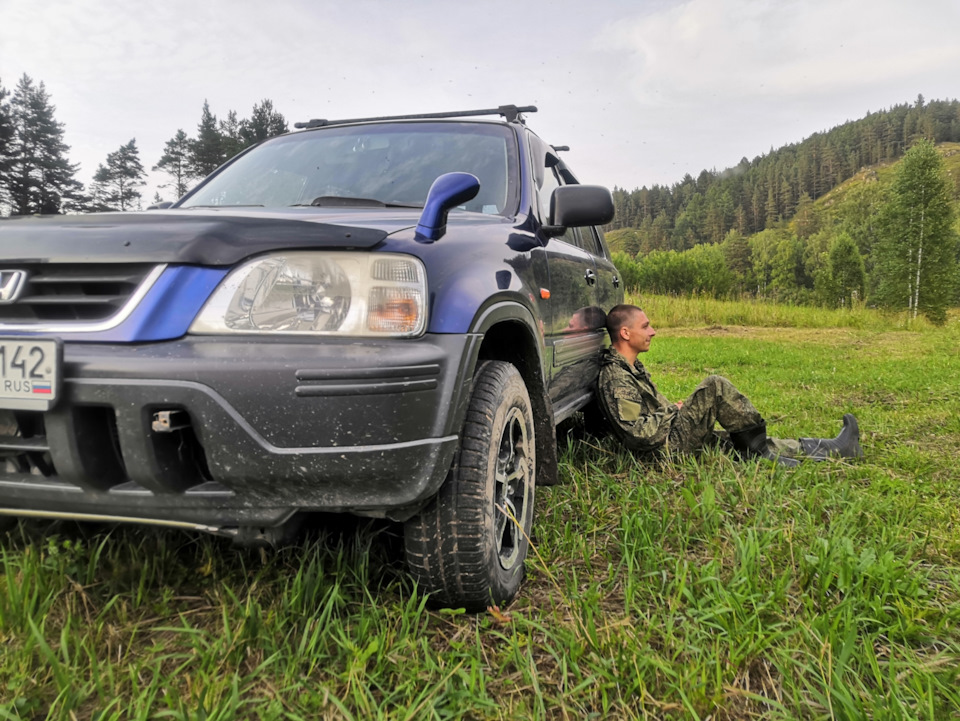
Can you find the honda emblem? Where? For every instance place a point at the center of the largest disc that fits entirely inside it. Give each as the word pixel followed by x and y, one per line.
pixel 11 284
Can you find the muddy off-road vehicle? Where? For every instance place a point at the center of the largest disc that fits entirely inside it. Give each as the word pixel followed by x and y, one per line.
pixel 380 316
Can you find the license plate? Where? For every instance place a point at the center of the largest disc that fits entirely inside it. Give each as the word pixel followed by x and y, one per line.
pixel 29 373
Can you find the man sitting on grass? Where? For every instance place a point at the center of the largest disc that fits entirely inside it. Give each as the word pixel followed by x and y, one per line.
pixel 644 421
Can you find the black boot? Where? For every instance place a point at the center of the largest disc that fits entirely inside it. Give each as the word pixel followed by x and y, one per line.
pixel 845 445
pixel 752 443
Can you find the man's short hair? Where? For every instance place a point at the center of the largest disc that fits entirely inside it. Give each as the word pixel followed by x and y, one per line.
pixel 619 316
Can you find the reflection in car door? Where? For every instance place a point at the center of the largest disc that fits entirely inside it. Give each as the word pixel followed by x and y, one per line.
pixel 573 336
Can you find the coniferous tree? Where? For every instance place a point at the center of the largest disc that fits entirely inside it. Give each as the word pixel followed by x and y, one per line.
pixel 175 162
pixel 916 254
pixel 805 220
pixel 736 255
pixel 264 122
pixel 116 183
pixel 207 151
pixel 40 178
pixel 6 140
pixel 230 141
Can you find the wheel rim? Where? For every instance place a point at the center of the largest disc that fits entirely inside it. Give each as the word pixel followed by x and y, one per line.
pixel 513 485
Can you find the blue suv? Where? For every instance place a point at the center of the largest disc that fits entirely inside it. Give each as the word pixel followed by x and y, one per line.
pixel 379 316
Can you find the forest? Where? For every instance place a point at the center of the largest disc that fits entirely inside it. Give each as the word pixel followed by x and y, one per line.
pixel 37 177
pixel 863 213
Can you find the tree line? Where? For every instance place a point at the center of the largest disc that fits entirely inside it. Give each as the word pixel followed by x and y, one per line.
pixel 888 238
pixel 756 195
pixel 37 177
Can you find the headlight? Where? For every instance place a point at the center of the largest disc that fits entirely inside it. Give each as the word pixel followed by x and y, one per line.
pixel 316 293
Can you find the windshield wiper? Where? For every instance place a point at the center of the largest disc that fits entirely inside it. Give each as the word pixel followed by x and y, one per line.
pixel 340 201
pixel 239 205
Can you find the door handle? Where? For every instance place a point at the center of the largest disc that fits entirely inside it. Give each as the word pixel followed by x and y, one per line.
pixel 590 277
pixel 616 282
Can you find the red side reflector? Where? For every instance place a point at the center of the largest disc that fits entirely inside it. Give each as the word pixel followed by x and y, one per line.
pixel 544 293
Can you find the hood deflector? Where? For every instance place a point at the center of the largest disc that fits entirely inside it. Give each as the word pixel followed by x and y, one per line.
pixel 164 237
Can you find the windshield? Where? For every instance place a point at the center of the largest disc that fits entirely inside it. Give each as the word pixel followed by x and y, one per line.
pixel 389 164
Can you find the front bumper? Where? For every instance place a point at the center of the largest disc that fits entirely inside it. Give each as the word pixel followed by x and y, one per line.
pixel 260 428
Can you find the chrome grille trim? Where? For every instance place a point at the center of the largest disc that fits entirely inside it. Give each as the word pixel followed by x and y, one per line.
pixel 93 326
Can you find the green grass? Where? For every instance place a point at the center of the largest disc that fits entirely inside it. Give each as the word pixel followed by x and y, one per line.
pixel 690 589
pixel 698 311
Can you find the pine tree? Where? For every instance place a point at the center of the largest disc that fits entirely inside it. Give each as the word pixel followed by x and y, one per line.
pixel 805 221
pixel 230 141
pixel 264 122
pixel 175 162
pixel 116 183
pixel 40 178
pixel 736 255
pixel 916 254
pixel 6 140
pixel 207 149
pixel 771 209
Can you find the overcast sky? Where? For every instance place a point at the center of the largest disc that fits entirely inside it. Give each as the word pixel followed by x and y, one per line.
pixel 642 91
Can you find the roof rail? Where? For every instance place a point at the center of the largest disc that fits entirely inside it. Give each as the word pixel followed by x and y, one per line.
pixel 511 112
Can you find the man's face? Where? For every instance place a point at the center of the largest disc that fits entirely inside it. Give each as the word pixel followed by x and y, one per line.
pixel 577 323
pixel 638 333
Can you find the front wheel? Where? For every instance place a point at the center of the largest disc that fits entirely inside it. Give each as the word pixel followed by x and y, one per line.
pixel 467 547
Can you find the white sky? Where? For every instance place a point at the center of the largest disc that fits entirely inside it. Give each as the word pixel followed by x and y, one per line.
pixel 642 91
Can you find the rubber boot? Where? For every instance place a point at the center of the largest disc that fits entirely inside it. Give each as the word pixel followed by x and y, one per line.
pixel 845 445
pixel 752 443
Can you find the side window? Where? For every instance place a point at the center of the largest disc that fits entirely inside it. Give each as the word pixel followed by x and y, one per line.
pixel 583 238
pixel 550 183
pixel 590 241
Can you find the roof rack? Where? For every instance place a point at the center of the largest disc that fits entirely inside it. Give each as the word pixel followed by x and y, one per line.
pixel 511 113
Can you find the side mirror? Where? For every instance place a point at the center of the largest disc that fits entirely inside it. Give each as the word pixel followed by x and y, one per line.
pixel 160 206
pixel 575 206
pixel 448 191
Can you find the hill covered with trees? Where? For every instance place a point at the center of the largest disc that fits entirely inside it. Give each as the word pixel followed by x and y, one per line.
pixel 760 193
pixel 887 236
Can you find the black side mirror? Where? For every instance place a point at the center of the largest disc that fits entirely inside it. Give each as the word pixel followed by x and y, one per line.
pixel 160 206
pixel 575 206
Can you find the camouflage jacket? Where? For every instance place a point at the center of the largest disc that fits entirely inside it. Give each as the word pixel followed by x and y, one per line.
pixel 640 415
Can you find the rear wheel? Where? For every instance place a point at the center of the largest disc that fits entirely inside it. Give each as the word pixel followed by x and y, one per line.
pixel 467 547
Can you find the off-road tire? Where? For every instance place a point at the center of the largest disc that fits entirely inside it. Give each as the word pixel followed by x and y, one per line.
pixel 462 548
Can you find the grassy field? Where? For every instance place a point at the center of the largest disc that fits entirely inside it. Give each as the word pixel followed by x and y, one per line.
pixel 698 588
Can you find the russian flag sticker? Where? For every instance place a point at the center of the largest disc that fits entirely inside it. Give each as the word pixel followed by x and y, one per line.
pixel 42 387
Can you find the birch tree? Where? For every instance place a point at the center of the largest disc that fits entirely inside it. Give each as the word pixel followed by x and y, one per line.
pixel 916 252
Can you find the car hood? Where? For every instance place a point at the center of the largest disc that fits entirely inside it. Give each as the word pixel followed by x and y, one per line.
pixel 200 236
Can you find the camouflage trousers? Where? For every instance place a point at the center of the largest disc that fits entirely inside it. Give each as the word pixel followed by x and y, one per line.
pixel 716 400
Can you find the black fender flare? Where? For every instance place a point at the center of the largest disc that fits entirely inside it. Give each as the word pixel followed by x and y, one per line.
pixel 531 369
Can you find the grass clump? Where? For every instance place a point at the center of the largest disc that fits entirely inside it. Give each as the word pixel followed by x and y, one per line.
pixel 688 588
